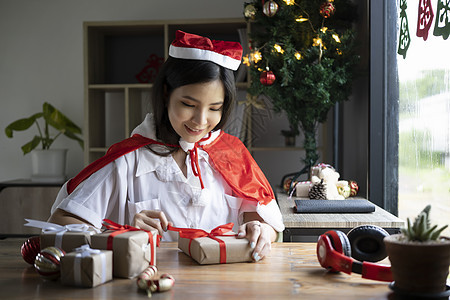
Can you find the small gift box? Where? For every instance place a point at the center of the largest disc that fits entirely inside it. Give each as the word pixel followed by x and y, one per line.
pixel 66 237
pixel 218 246
pixel 133 249
pixel 86 267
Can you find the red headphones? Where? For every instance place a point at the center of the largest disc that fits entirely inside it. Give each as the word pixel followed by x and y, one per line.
pixel 334 249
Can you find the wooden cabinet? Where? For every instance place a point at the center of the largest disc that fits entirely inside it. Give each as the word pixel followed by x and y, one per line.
pixel 119 57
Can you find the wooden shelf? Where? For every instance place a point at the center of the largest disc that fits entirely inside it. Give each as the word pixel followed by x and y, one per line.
pixel 115 53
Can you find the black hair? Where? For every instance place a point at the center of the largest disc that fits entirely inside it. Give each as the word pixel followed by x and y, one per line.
pixel 179 72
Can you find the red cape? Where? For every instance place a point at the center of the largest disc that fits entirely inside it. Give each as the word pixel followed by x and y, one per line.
pixel 229 156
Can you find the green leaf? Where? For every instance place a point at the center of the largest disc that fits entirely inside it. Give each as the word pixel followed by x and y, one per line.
pixel 58 120
pixel 28 147
pixel 21 124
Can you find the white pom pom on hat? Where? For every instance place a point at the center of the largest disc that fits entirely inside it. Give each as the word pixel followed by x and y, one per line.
pixel 191 46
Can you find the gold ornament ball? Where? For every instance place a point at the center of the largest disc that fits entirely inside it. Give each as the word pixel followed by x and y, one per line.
pixel 47 262
pixel 250 11
pixel 270 8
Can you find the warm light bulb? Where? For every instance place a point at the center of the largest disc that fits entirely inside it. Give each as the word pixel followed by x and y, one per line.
pixel 317 42
pixel 298 55
pixel 278 48
pixel 255 56
pixel 301 19
pixel 336 38
pixel 245 60
pixel 289 2
pixel 324 29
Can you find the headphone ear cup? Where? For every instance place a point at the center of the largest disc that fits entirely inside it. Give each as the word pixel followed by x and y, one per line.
pixel 345 243
pixel 367 243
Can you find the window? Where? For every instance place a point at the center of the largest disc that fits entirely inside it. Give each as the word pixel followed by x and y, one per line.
pixel 424 117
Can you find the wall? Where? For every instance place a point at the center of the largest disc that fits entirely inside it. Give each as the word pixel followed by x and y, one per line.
pixel 41 59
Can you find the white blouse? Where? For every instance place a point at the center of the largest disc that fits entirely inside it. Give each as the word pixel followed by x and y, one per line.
pixel 142 180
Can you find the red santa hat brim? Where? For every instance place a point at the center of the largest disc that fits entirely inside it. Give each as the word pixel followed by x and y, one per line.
pixel 191 46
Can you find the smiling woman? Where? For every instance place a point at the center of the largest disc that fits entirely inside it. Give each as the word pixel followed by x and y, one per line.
pixel 179 168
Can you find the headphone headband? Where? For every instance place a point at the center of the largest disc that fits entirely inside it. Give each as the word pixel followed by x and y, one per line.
pixel 335 261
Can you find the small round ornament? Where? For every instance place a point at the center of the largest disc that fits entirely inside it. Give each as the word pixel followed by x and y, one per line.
pixel 353 188
pixel 30 248
pixel 327 9
pixel 344 191
pixel 47 262
pixel 250 11
pixel 267 78
pixel 270 8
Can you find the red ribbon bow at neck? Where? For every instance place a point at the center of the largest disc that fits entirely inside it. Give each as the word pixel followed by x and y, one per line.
pixel 191 234
pixel 119 229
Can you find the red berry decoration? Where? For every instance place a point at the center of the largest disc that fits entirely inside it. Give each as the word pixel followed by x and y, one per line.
pixel 267 78
pixel 327 9
pixel 353 188
pixel 30 248
pixel 48 261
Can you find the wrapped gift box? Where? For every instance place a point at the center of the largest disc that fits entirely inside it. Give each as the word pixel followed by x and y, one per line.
pixel 66 237
pixel 86 267
pixel 218 246
pixel 133 249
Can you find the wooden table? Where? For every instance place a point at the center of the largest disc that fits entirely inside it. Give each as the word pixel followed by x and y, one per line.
pixel 292 270
pixel 302 227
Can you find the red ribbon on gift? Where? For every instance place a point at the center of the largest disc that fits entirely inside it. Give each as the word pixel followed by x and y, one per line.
pixel 119 229
pixel 191 234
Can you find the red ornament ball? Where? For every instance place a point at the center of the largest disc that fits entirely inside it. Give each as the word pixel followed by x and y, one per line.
pixel 47 262
pixel 353 188
pixel 30 248
pixel 267 78
pixel 327 9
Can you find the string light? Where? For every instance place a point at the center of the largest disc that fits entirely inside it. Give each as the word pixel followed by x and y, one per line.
pixel 298 55
pixel 278 48
pixel 336 38
pixel 289 2
pixel 255 56
pixel 324 29
pixel 246 61
pixel 301 19
pixel 317 42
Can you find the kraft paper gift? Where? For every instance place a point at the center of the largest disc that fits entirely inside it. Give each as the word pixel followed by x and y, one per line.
pixel 86 267
pixel 66 237
pixel 218 246
pixel 133 249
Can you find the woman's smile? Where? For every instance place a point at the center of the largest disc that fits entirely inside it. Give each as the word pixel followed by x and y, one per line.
pixel 196 109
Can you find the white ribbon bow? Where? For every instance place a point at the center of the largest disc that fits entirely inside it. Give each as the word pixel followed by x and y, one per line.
pixel 59 230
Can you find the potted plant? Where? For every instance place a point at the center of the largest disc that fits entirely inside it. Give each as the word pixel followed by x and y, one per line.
pixel 47 164
pixel 420 258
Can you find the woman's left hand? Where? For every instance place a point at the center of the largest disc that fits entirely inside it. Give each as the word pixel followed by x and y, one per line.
pixel 260 236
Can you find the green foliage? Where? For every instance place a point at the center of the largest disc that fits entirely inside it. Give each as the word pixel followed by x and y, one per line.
pixel 52 118
pixel 422 230
pixel 307 88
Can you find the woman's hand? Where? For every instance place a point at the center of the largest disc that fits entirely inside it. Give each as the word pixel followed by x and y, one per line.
pixel 260 236
pixel 148 219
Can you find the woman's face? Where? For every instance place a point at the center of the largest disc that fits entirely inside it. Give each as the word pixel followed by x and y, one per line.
pixel 195 109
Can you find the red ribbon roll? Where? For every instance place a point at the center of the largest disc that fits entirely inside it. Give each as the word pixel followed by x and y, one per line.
pixel 190 233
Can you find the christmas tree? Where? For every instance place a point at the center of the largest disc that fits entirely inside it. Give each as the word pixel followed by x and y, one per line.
pixel 302 56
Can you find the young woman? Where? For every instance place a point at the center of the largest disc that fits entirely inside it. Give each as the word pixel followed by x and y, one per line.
pixel 179 167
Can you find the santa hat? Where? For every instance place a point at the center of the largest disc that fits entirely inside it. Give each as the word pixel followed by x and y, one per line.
pixel 191 46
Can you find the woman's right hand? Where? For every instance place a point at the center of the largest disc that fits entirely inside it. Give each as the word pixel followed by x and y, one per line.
pixel 148 219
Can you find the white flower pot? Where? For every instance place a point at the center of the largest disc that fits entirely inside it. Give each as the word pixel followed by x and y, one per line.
pixel 48 165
